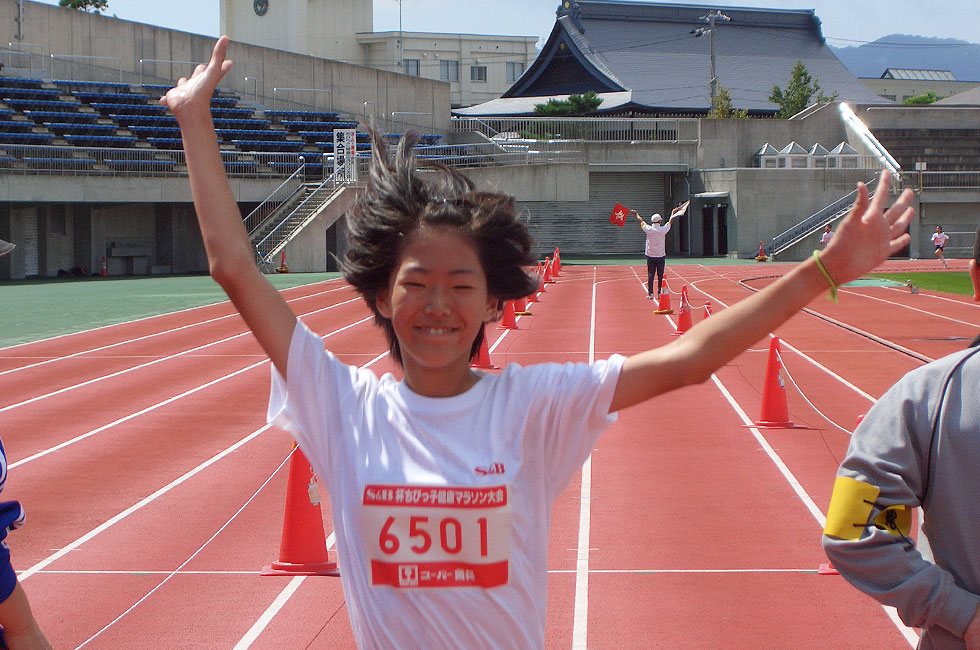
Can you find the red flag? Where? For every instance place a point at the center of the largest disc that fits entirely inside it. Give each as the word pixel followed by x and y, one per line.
pixel 618 215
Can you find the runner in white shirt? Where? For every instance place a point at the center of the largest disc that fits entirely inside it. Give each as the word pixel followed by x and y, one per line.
pixel 827 234
pixel 939 238
pixel 441 484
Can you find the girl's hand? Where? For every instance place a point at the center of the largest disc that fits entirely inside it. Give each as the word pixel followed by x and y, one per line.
pixel 194 94
pixel 869 234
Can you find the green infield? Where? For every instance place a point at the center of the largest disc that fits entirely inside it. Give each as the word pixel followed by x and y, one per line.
pixel 40 309
pixel 945 281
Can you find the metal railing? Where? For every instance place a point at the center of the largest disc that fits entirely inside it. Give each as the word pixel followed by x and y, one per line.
pixel 280 195
pixel 502 154
pixel 818 220
pixel 589 129
pixel 73 160
pixel 924 180
pixel 270 245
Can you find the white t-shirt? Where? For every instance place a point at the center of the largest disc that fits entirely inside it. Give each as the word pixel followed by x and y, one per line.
pixel 825 237
pixel 940 238
pixel 656 239
pixel 441 506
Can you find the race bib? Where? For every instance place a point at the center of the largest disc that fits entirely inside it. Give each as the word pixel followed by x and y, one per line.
pixel 437 536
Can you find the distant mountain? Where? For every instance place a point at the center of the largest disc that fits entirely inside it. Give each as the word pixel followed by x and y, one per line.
pixel 962 58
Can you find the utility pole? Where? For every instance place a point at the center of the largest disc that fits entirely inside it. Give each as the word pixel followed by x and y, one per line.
pixel 710 18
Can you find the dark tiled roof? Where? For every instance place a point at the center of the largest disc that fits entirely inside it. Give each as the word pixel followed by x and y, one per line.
pixel 647 48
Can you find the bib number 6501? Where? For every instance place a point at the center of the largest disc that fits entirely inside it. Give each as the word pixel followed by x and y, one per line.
pixel 450 532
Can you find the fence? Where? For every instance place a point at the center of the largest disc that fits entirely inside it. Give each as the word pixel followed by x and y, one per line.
pixel 92 161
pixel 606 129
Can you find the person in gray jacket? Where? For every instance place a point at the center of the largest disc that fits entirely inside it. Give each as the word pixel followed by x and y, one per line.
pixel 918 447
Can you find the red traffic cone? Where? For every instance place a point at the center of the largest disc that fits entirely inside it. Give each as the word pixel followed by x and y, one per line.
pixel 532 297
pixel 482 358
pixel 548 277
pixel 707 308
pixel 684 318
pixel 775 411
pixel 303 549
pixel 761 257
pixel 282 265
pixel 556 264
pixel 509 321
pixel 105 271
pixel 663 305
pixel 520 307
pixel 540 273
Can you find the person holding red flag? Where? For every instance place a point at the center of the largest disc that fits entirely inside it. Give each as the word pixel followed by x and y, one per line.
pixel 656 246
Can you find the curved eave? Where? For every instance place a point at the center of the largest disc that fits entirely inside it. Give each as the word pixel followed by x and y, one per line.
pixel 559 35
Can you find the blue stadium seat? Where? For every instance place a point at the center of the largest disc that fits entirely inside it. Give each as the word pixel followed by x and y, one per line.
pixel 20 82
pixel 27 138
pixel 155 131
pixel 43 105
pixel 325 116
pixel 129 109
pixel 78 128
pixel 268 145
pixel 111 98
pixel 166 143
pixel 8 126
pixel 231 112
pixel 29 93
pixel 143 120
pixel 100 140
pixel 61 116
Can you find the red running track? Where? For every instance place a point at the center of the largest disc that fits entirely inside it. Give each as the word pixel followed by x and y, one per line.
pixel 155 490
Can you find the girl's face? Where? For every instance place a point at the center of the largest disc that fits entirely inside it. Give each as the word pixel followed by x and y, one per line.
pixel 437 301
pixel 939 228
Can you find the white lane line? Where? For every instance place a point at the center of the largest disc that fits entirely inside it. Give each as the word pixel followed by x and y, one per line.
pixel 148 364
pixel 160 404
pixel 169 313
pixel 931 314
pixel 140 338
pixel 580 621
pixel 139 505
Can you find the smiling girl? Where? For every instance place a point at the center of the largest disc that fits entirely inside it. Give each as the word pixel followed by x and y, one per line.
pixel 441 484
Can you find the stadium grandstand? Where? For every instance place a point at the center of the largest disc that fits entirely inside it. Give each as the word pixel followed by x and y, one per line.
pixel 92 176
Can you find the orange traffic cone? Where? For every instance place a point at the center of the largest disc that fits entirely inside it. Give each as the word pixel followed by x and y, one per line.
pixel 540 273
pixel 282 265
pixel 775 411
pixel 556 264
pixel 548 277
pixel 509 321
pixel 482 358
pixel 520 307
pixel 105 271
pixel 532 297
pixel 684 318
pixel 707 308
pixel 663 305
pixel 303 549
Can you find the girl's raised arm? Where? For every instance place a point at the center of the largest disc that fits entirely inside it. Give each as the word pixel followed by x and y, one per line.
pixel 866 237
pixel 231 258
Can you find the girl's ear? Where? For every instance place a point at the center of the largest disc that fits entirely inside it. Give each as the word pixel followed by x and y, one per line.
pixel 383 303
pixel 494 309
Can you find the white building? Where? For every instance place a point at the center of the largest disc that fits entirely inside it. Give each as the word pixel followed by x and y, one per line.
pixel 476 67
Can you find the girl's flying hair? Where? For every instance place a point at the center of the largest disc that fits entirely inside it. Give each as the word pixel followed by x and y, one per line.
pixel 402 199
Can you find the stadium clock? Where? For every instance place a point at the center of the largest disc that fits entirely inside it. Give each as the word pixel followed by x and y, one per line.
pixel 260 7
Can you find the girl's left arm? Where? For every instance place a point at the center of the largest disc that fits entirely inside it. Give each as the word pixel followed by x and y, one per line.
pixel 867 236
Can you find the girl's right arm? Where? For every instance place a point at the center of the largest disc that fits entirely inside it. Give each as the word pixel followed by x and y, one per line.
pixel 231 258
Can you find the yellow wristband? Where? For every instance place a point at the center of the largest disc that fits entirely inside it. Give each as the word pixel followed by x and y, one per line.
pixel 830 281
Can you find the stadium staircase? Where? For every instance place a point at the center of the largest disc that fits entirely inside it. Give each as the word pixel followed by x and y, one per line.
pixel 794 236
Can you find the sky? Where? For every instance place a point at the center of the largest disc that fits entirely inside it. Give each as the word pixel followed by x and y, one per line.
pixel 844 22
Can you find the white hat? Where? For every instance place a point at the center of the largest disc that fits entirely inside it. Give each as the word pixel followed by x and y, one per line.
pixel 656 217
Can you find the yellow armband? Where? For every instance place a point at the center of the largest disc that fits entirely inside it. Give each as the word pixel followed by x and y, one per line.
pixel 850 508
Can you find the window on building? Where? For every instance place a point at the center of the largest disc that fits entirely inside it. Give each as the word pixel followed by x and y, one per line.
pixel 449 70
pixel 410 66
pixel 514 71
pixel 478 73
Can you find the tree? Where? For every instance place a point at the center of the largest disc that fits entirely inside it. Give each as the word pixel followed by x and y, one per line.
pixel 574 105
pixel 925 98
pixel 95 6
pixel 799 93
pixel 721 106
